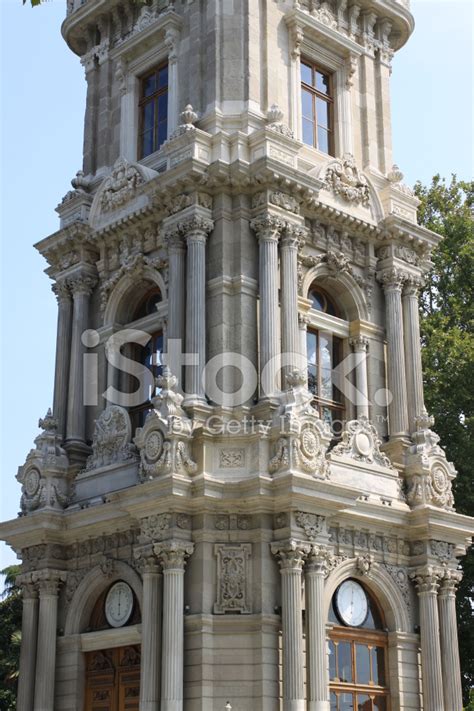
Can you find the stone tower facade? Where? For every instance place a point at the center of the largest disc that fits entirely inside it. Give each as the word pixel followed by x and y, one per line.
pixel 237 497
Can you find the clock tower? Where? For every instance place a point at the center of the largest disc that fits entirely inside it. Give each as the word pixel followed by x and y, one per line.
pixel 238 496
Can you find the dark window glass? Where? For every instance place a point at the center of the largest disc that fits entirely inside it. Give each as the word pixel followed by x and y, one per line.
pixel 362 664
pixel 344 658
pixel 316 108
pixel 378 666
pixel 332 661
pixel 346 702
pixel 364 702
pixel 380 703
pixel 153 111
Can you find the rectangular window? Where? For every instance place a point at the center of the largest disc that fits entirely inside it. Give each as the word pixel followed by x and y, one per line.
pixel 151 356
pixel 324 353
pixel 153 110
pixel 317 107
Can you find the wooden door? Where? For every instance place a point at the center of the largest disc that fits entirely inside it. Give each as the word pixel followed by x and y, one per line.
pixel 113 679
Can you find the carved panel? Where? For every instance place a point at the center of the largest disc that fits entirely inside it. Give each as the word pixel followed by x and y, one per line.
pixel 233 578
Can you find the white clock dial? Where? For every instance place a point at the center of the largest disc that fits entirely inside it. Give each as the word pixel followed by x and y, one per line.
pixel 351 603
pixel 119 604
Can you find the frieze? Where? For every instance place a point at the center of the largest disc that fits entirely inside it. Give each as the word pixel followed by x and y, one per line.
pixel 226 522
pixel 312 524
pixel 232 458
pixel 121 185
pixel 111 443
pixel 233 578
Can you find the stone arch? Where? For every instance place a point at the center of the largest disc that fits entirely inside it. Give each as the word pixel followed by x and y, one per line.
pixel 342 287
pixel 127 293
pixel 381 585
pixel 89 589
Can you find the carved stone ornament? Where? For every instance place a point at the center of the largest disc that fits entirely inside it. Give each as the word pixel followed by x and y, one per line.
pixel 155 528
pixel 111 442
pixel 233 578
pixel 312 524
pixel 164 440
pixel 188 118
pixel 364 564
pixel 302 438
pixel 429 474
pixel 134 265
pixel 360 441
pixel 121 185
pixel 345 180
pixel 275 121
pixel 44 476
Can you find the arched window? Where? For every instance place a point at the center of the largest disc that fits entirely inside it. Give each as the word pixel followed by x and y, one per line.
pixel 324 353
pixel 358 671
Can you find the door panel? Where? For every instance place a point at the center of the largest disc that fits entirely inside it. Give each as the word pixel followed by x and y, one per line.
pixel 113 679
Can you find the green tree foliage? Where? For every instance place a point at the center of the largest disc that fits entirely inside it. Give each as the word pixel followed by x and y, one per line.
pixel 10 638
pixel 447 330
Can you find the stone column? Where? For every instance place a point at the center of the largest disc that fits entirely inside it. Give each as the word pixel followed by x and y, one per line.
pixel 173 555
pixel 290 335
pixel 414 373
pixel 151 631
pixel 63 349
pixel 195 231
pixel 267 229
pixel 303 321
pixel 360 346
pixel 392 281
pixel 48 583
pixel 317 686
pixel 382 85
pixel 290 556
pixel 81 287
pixel 176 285
pixel 29 632
pixel 449 641
pixel 427 584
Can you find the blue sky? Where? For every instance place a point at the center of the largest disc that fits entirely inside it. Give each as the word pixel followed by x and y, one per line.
pixel 42 107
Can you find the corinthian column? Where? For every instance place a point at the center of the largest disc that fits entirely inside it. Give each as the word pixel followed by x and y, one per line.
pixel 176 286
pixel 360 346
pixel 151 630
pixel 290 556
pixel 29 631
pixel 290 333
pixel 173 555
pixel 392 281
pixel 63 349
pixel 267 229
pixel 316 569
pixel 81 287
pixel 449 641
pixel 414 374
pixel 196 230
pixel 427 585
pixel 48 583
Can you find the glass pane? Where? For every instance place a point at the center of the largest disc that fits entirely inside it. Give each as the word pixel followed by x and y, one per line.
pixel 318 301
pixel 149 85
pixel 344 662
pixel 313 379
pixel 162 107
pixel 311 344
pixel 306 74
pixel 307 104
pixel 147 143
pixel 323 139
pixel 332 661
pixel 346 702
pixel 326 415
pixel 308 132
pixel 326 366
pixel 163 78
pixel 162 133
pixel 333 701
pixel 364 702
pixel 362 664
pixel 378 666
pixel 322 83
pixel 322 113
pixel 148 116
pixel 380 703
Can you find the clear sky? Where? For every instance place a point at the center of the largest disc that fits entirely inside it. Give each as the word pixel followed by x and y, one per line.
pixel 42 107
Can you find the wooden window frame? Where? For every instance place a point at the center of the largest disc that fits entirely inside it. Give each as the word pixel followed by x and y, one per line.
pixel 318 402
pixel 144 101
pixel 316 94
pixel 135 412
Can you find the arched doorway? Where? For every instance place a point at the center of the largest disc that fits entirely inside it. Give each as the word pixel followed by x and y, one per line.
pixel 358 644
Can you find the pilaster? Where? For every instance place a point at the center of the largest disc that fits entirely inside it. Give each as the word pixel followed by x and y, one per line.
pixel 414 373
pixel 63 346
pixel 29 631
pixel 449 640
pixel 316 569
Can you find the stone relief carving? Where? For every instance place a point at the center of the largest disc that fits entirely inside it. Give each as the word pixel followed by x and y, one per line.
pixel 155 528
pixel 121 185
pixel 344 179
pixel 111 442
pixel 44 476
pixel 133 265
pixel 312 524
pixel 188 118
pixel 360 441
pixel 275 121
pixel 164 440
pixel 233 578
pixel 442 550
pixel 364 563
pixel 232 458
pixel 400 576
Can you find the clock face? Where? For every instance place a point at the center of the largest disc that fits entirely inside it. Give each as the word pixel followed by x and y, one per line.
pixel 119 604
pixel 351 603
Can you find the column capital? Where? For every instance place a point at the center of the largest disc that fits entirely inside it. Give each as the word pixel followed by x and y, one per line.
pixel 318 560
pixel 175 240
pixel 147 559
pixel 412 286
pixel 82 284
pixel 196 228
pixel 293 236
pixel 290 554
pixel 392 279
pixel 49 580
pixel 359 343
pixel 427 579
pixel 28 586
pixel 62 291
pixel 173 554
pixel 450 582
pixel 268 228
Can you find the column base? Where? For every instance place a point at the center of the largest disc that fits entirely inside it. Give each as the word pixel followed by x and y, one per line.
pixel 318 706
pixel 77 450
pixel 294 705
pixel 167 705
pixel 396 449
